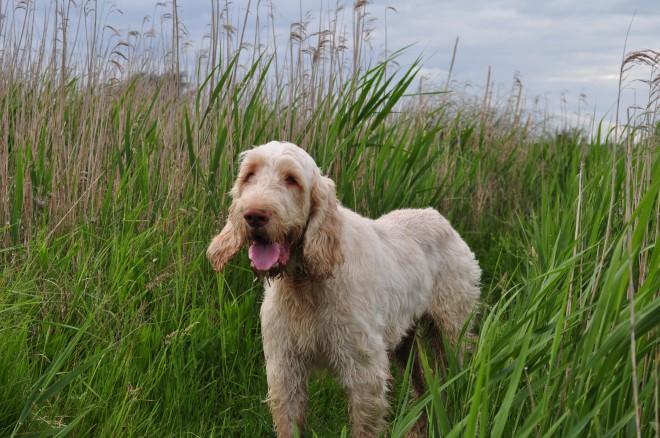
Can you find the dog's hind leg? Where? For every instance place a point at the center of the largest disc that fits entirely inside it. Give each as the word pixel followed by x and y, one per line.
pixel 448 320
pixel 434 334
pixel 404 352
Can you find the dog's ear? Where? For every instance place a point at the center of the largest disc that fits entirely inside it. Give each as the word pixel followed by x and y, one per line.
pixel 224 246
pixel 322 249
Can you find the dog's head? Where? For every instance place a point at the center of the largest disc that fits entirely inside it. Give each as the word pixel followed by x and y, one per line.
pixel 285 210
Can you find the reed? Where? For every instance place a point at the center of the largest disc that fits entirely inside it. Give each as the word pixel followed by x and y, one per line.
pixel 116 155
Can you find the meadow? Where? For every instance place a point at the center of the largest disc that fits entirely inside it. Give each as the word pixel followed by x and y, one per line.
pixel 116 155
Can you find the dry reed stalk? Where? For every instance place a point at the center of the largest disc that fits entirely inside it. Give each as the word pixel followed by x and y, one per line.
pixel 116 72
pixel 631 287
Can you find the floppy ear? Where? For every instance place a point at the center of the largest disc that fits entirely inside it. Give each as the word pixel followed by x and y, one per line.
pixel 322 245
pixel 224 246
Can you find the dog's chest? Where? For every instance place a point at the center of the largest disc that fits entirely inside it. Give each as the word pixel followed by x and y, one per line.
pixel 307 318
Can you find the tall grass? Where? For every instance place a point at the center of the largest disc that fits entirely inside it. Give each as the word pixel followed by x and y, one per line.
pixel 116 154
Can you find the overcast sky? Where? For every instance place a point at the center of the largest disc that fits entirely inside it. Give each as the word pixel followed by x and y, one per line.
pixel 557 48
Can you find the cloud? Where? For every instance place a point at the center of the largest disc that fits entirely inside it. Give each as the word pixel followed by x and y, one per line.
pixel 558 47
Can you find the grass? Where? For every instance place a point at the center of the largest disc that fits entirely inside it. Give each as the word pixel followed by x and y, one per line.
pixel 114 169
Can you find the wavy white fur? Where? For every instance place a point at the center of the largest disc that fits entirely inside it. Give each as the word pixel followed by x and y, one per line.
pixel 344 292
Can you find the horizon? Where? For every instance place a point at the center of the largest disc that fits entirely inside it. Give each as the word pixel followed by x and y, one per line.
pixel 575 86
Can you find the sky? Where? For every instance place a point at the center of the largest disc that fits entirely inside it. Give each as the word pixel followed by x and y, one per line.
pixel 566 53
pixel 557 47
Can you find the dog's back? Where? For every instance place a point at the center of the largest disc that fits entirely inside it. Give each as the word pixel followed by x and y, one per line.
pixel 456 272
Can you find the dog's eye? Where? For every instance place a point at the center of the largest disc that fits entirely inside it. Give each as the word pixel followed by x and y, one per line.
pixel 249 176
pixel 291 180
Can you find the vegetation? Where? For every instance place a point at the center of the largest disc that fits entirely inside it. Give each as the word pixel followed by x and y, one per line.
pixel 114 172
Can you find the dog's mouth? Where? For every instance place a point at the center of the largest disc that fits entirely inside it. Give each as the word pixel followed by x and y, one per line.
pixel 266 256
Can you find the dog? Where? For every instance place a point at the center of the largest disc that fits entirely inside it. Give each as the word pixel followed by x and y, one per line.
pixel 344 292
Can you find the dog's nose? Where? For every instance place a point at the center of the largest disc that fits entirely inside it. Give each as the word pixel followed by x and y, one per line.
pixel 256 217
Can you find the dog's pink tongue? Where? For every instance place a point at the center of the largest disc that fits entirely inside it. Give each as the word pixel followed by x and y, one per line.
pixel 264 255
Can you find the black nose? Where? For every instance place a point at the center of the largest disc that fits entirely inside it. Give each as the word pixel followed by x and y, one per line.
pixel 256 217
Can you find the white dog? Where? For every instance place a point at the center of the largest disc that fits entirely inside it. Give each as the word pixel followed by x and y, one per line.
pixel 343 291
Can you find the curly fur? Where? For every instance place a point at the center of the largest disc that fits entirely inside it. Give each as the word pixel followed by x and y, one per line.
pixel 352 289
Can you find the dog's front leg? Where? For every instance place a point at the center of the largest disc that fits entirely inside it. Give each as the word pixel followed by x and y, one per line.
pixel 368 404
pixel 287 392
pixel 366 384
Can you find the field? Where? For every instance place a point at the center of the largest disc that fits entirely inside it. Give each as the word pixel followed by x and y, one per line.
pixel 116 156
